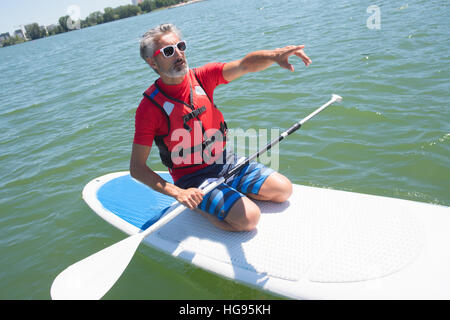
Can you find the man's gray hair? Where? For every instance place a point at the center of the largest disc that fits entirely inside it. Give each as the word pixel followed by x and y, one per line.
pixel 147 46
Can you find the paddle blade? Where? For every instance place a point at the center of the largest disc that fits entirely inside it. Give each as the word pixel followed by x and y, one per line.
pixel 91 278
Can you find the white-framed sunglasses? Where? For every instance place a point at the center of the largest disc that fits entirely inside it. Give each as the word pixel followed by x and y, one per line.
pixel 169 51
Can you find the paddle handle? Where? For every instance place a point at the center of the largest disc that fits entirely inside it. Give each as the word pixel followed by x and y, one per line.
pixel 334 98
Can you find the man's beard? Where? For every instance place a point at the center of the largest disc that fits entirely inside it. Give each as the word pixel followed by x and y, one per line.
pixel 177 71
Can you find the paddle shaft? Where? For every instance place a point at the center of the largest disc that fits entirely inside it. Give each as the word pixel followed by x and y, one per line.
pixel 180 208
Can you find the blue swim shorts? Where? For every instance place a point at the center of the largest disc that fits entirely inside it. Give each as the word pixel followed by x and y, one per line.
pixel 219 201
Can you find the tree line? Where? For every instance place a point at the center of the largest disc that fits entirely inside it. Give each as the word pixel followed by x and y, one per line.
pixel 65 24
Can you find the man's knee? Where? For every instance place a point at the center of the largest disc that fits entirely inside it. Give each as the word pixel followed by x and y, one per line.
pixel 284 190
pixel 252 216
pixel 244 216
pixel 277 188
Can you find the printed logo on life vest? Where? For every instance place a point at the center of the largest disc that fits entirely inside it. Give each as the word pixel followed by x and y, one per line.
pixel 200 91
pixel 168 107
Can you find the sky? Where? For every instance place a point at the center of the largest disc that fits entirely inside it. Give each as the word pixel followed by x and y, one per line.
pixel 14 13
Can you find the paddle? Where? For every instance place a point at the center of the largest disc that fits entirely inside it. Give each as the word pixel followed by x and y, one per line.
pixel 92 277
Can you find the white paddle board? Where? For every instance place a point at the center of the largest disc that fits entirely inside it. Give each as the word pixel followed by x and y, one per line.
pixel 321 244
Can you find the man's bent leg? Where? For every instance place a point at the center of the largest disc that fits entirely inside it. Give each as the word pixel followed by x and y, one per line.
pixel 262 183
pixel 243 216
pixel 276 188
pixel 229 209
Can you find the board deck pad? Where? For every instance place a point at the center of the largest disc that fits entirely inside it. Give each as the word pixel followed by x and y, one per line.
pixel 319 236
pixel 133 201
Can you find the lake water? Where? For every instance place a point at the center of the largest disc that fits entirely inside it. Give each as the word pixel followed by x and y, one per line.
pixel 67 107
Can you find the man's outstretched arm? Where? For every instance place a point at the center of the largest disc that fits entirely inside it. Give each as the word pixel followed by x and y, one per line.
pixel 260 60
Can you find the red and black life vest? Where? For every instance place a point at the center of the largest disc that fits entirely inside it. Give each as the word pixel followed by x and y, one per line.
pixel 196 134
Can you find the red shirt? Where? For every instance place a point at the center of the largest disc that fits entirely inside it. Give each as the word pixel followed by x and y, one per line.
pixel 151 122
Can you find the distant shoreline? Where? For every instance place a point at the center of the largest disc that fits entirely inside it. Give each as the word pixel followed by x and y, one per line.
pixel 184 3
pixel 34 31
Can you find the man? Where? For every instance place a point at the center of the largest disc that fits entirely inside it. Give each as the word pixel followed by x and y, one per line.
pixel 179 107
